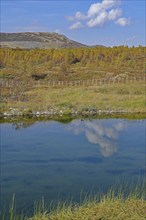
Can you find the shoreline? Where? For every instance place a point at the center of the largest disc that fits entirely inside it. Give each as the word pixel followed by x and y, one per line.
pixel 41 116
pixel 15 112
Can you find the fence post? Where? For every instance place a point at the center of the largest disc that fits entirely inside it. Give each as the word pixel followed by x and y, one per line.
pixel 126 79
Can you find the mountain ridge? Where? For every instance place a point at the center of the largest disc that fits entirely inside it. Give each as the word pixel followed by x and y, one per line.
pixel 30 40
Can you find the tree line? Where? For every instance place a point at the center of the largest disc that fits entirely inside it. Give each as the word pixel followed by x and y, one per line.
pixel 71 61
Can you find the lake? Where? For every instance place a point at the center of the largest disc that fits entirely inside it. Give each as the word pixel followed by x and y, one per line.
pixel 58 161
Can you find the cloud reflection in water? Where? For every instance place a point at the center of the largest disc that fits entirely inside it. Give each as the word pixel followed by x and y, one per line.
pixel 98 132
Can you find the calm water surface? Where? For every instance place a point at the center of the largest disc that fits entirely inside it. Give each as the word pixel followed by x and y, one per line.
pixel 57 161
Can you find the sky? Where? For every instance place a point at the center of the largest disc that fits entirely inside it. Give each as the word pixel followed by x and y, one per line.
pixel 98 22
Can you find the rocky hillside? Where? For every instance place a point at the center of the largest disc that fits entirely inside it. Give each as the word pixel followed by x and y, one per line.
pixel 29 40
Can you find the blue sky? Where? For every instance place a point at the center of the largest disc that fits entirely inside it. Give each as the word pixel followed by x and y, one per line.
pixel 105 22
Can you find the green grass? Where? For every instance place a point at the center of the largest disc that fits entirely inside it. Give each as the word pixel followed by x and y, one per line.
pixel 108 209
pixel 111 206
pixel 116 97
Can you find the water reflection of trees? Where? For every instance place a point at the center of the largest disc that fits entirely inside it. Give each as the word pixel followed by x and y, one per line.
pixel 22 125
pixel 31 121
pixel 100 133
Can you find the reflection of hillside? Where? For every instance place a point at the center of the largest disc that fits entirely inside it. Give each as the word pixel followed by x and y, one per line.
pixel 97 132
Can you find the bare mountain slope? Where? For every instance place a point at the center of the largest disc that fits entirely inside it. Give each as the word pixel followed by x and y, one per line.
pixel 29 40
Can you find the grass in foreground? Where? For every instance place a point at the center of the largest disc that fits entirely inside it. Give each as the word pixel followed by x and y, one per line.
pixel 106 209
pixel 112 206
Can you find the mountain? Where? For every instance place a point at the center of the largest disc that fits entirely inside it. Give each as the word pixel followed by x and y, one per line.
pixel 30 40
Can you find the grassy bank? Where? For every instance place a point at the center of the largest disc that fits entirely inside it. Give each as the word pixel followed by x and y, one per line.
pixel 115 205
pixel 107 209
pixel 128 97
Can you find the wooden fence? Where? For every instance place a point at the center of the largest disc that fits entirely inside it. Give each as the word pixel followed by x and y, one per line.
pixel 53 83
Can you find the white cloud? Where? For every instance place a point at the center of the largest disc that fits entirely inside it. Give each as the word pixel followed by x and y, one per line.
pixel 76 25
pixel 110 3
pixel 104 17
pixel 99 20
pixel 123 21
pixel 96 8
pixel 80 16
pixel 100 13
pixel 114 14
